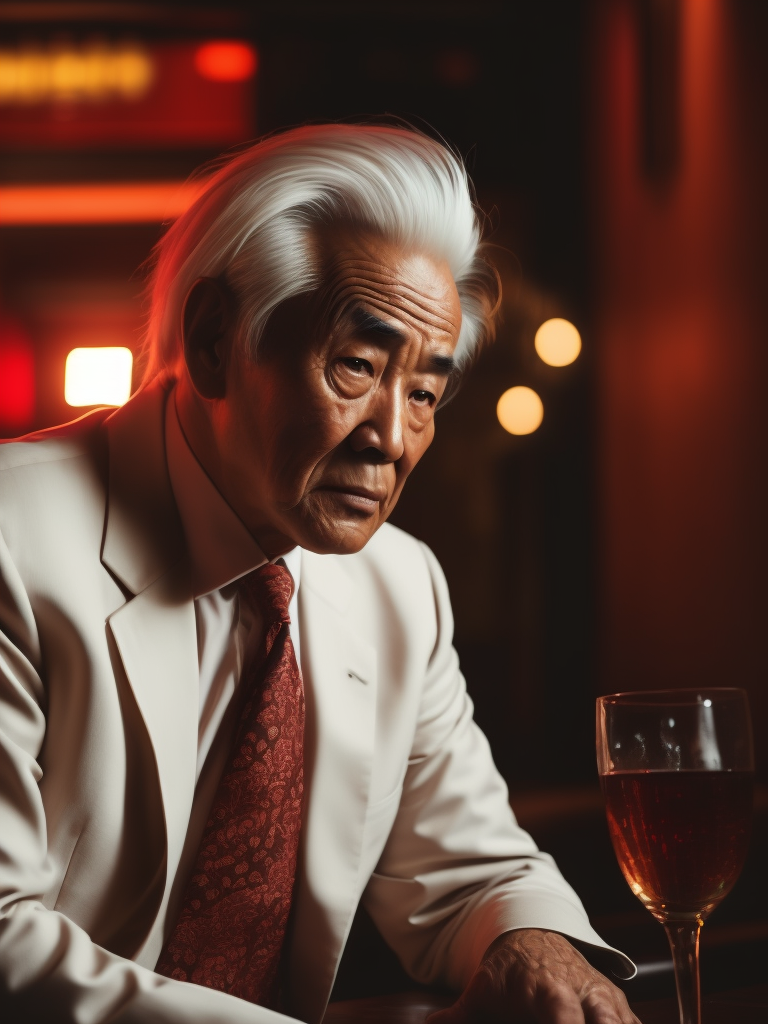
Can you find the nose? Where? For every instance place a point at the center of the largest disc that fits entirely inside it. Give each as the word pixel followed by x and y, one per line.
pixel 383 426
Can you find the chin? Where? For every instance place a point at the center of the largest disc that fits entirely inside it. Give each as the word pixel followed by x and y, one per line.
pixel 340 541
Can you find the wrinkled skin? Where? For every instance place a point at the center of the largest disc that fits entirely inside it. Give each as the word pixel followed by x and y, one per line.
pixel 532 976
pixel 311 443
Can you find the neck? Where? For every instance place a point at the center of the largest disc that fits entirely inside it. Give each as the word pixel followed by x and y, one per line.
pixel 196 420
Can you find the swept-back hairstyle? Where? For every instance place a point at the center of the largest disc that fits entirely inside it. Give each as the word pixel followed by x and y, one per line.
pixel 252 227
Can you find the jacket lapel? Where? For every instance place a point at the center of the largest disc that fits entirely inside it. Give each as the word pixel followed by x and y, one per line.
pixel 156 636
pixel 340 682
pixel 155 631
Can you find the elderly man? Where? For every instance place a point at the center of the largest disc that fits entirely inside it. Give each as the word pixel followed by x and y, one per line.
pixel 189 818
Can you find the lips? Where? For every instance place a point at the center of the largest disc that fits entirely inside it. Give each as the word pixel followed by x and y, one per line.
pixel 371 493
pixel 361 499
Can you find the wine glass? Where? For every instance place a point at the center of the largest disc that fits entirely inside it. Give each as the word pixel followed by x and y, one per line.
pixel 676 769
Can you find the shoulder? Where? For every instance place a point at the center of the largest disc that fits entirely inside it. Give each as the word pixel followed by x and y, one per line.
pixel 393 554
pixel 79 439
pixel 54 480
pixel 391 542
pixel 394 570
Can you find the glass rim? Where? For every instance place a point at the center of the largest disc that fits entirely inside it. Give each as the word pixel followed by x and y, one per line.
pixel 682 695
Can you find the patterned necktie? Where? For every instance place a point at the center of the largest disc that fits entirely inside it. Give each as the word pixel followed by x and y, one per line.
pixel 233 919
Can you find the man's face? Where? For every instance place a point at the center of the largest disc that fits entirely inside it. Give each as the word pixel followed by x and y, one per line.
pixel 317 436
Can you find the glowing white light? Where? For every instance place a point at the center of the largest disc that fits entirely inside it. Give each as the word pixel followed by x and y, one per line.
pixel 671 723
pixel 98 376
pixel 707 703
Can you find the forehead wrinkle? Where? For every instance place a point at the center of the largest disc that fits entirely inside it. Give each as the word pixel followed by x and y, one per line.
pixel 409 307
pixel 383 276
pixel 361 270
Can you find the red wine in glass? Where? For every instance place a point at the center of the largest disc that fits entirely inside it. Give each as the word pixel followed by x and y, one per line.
pixel 680 837
pixel 676 768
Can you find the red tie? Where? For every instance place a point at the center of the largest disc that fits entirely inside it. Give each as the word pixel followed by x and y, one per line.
pixel 233 919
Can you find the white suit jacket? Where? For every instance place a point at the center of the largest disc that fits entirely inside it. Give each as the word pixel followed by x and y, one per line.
pixel 98 741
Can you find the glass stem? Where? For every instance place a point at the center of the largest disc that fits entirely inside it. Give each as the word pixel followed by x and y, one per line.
pixel 684 943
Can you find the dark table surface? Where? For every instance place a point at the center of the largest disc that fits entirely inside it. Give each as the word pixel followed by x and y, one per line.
pixel 740 1006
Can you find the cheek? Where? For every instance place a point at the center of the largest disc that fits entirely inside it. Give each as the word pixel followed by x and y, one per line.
pixel 416 446
pixel 305 444
pixel 414 449
pixel 326 421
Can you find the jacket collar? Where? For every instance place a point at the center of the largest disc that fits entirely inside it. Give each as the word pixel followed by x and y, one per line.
pixel 143 538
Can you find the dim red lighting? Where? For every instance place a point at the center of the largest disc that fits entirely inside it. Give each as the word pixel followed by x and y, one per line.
pixel 226 61
pixel 17 380
pixel 457 67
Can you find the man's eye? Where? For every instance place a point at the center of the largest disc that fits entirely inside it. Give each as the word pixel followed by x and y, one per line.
pixel 357 365
pixel 423 397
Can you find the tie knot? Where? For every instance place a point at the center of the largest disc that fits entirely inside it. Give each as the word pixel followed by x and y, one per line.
pixel 270 588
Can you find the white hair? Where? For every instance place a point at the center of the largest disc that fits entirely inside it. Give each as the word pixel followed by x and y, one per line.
pixel 252 227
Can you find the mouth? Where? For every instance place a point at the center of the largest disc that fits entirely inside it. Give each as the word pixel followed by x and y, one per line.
pixel 366 500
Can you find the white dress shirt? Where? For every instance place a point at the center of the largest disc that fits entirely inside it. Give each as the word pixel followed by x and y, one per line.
pixel 221 552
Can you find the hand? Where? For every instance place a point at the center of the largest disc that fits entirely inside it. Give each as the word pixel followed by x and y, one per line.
pixel 532 976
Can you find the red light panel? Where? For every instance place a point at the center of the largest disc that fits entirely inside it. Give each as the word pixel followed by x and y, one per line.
pixel 17 380
pixel 164 98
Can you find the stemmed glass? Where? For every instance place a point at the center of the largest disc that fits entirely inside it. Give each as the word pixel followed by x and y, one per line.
pixel 676 768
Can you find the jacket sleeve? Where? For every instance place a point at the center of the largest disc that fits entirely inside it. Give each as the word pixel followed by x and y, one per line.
pixel 49 968
pixel 457 870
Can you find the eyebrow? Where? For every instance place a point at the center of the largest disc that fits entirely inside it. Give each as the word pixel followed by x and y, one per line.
pixel 368 325
pixel 444 365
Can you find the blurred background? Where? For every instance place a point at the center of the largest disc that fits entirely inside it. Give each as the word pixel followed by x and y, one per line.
pixel 611 535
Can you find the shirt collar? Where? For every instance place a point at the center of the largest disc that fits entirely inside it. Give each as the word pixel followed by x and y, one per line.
pixel 221 548
pixel 292 561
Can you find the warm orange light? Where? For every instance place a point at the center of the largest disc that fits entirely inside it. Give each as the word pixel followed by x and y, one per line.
pixel 520 410
pixel 98 376
pixel 557 342
pixel 114 203
pixel 226 60
pixel 97 72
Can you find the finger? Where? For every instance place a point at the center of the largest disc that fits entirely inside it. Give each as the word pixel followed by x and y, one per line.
pixel 607 1015
pixel 613 1011
pixel 558 1006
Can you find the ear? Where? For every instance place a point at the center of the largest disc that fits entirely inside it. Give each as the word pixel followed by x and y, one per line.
pixel 207 336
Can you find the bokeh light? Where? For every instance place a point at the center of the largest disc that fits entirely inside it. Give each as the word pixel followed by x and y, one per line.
pixel 226 60
pixel 98 376
pixel 17 379
pixel 520 410
pixel 557 342
pixel 65 74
